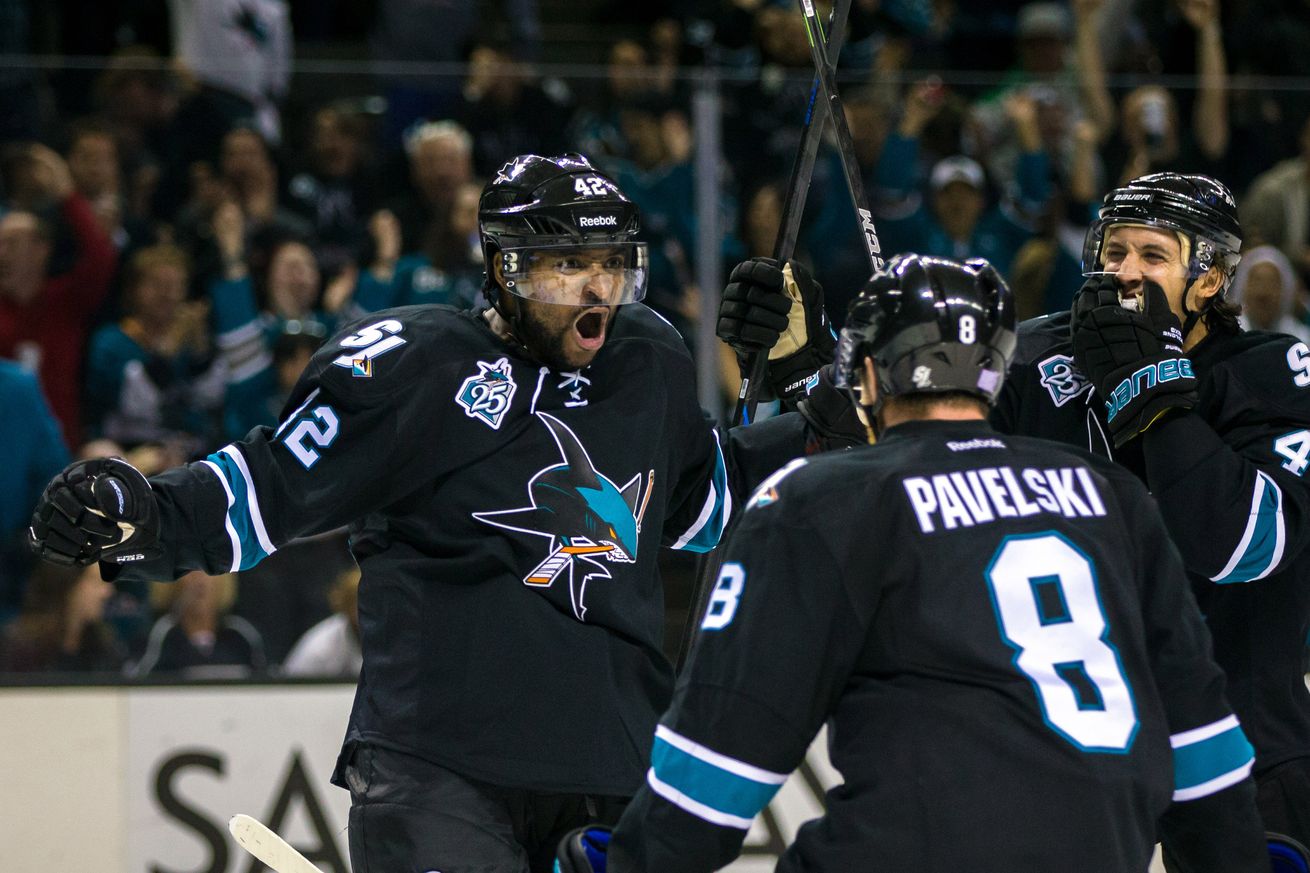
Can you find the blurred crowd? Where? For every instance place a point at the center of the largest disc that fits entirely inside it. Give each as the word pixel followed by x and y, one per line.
pixel 185 220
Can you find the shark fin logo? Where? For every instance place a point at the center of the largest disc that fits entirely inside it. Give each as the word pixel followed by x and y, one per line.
pixel 588 519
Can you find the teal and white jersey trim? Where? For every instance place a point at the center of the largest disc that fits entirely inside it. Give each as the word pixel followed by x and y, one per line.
pixel 709 785
pixel 1210 758
pixel 1261 547
pixel 244 522
pixel 705 532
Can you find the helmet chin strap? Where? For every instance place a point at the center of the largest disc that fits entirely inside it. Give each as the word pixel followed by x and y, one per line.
pixel 1190 316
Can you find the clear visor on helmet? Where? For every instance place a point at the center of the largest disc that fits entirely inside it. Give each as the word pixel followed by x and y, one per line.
pixel 606 274
pixel 1100 231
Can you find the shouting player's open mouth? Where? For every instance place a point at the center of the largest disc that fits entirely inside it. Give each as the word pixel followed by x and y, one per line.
pixel 589 327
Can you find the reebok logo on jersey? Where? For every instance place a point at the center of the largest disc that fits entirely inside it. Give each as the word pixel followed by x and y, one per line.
pixel 598 221
pixel 487 395
pixel 970 445
pixel 1062 380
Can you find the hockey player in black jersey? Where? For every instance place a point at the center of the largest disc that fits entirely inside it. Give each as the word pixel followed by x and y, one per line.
pixel 1151 369
pixel 996 630
pixel 508 476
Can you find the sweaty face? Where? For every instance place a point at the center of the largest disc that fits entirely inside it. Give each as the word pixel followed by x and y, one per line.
pixel 566 300
pixel 1135 253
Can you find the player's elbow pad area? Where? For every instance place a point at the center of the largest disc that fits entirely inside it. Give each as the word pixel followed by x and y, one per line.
pixel 707 784
pixel 1210 758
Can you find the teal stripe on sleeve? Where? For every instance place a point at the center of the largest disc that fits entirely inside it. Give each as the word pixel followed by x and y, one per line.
pixel 252 551
pixel 1266 544
pixel 1211 758
pixel 714 787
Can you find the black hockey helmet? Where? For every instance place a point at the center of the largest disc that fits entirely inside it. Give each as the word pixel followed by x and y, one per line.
pixel 1199 207
pixel 931 326
pixel 548 205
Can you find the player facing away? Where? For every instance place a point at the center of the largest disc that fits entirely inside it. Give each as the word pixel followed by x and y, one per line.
pixel 996 629
pixel 508 475
pixel 1152 369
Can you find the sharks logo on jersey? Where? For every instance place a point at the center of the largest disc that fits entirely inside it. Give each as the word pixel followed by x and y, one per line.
pixel 587 518
pixel 487 395
pixel 1062 379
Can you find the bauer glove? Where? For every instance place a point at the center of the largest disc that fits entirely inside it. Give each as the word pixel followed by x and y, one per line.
pixel 1134 358
pixel 780 309
pixel 583 850
pixel 99 510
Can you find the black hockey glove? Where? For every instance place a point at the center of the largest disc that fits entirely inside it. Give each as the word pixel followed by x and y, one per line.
pixel 100 510
pixel 757 313
pixel 1134 358
pixel 832 416
pixel 583 850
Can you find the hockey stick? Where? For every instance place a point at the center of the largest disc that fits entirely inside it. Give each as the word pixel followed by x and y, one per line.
pixel 793 205
pixel 274 852
pixel 784 246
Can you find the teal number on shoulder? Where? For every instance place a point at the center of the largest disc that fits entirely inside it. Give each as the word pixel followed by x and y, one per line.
pixel 722 608
pixel 1045 594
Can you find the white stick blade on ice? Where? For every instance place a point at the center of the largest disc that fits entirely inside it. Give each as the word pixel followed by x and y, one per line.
pixel 276 853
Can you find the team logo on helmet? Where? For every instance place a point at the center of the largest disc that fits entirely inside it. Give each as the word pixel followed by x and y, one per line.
pixel 588 519
pixel 1062 379
pixel 487 395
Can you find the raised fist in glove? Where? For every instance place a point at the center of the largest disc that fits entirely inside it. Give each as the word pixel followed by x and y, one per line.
pixel 778 308
pixel 583 850
pixel 99 510
pixel 1134 357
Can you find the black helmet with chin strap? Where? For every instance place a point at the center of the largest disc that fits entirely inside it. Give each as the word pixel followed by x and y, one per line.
pixel 1200 208
pixel 555 204
pixel 931 326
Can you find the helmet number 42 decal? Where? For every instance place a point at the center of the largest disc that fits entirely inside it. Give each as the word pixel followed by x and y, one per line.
pixel 367 344
pixel 590 186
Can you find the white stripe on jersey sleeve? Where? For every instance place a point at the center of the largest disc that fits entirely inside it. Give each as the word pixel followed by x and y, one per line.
pixel 227 516
pixel 256 517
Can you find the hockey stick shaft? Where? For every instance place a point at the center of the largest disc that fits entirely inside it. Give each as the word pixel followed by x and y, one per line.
pixel 756 365
pixel 793 206
pixel 845 147
pixel 261 841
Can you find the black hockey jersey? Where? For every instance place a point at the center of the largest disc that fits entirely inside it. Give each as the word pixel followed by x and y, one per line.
pixel 1001 637
pixel 1230 480
pixel 506 519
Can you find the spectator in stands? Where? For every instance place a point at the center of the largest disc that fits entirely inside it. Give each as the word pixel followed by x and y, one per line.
pixel 93 161
pixel 450 271
pixel 336 190
pixel 62 626
pixel 1067 86
pixel 1269 292
pixel 34 452
pixel 955 222
pixel 196 637
pixel 153 376
pixel 44 318
pixel 239 50
pixel 506 112
pixel 595 128
pixel 440 163
pixel 331 648
pixel 1152 137
pixel 1277 208
pixel 247 331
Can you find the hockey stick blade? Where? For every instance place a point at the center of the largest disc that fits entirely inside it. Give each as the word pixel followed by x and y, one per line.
pixel 275 853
